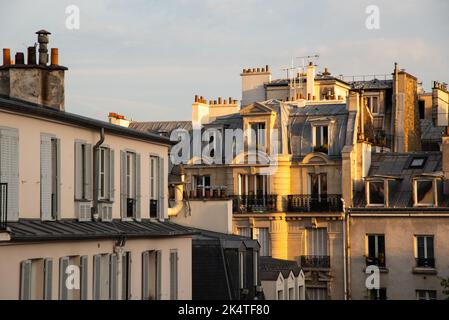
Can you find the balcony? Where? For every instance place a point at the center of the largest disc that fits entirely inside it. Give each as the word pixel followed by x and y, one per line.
pixel 425 262
pixel 315 203
pixel 254 203
pixel 207 193
pixel 3 205
pixel 313 261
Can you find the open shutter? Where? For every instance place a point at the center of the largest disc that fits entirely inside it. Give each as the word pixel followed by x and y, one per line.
pixel 78 170
pixel 88 171
pixel 145 275
pixel 58 178
pixel 123 189
pixel 162 187
pixel 113 277
pixel 138 188
pixel 48 278
pixel 45 183
pixel 63 291
pixel 97 277
pixel 111 175
pixel 173 275
pixel 83 274
pixel 25 280
pixel 158 274
pixel 9 169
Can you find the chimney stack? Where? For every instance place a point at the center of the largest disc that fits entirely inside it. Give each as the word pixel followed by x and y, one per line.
pixel 42 39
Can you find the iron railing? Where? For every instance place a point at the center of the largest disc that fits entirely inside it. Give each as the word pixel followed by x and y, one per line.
pixel 315 203
pixel 254 203
pixel 425 262
pixel 3 205
pixel 313 261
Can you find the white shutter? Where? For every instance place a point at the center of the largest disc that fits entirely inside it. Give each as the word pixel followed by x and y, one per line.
pixel 25 280
pixel 9 169
pixel 123 189
pixel 48 278
pixel 84 276
pixel 173 275
pixel 161 182
pixel 158 274
pixel 138 189
pixel 97 277
pixel 78 170
pixel 45 183
pixel 111 175
pixel 88 171
pixel 145 275
pixel 58 179
pixel 113 277
pixel 63 291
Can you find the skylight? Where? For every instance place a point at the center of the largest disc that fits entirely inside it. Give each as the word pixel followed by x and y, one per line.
pixel 417 162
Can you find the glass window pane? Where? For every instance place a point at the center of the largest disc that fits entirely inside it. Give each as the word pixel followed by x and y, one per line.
pixel 376 192
pixel 425 192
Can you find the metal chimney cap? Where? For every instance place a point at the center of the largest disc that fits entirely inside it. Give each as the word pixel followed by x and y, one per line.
pixel 43 32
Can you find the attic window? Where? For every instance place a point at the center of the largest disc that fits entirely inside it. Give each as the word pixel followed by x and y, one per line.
pixel 375 193
pixel 417 163
pixel 424 192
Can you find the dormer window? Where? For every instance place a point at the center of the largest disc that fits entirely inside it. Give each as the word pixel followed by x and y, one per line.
pixel 320 138
pixel 372 103
pixel 425 192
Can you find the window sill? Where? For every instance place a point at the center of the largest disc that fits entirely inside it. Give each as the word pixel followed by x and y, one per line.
pixel 381 269
pixel 105 201
pixel 83 200
pixel 424 270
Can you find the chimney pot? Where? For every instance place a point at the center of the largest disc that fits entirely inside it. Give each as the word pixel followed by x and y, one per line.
pixel 235 101
pixel 54 56
pixel 266 68
pixel 31 55
pixel 6 57
pixel 219 100
pixel 230 100
pixel 20 58
pixel 258 69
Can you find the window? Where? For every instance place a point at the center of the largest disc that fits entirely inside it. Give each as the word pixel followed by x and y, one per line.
pixel 417 162
pixel 263 236
pixel 257 135
pixel 83 171
pixel 321 138
pixel 376 193
pixel 173 275
pixel 126 275
pixel 318 184
pixel 426 295
pixel 154 186
pixel 291 293
pixel 50 177
pixel 36 279
pixel 424 251
pixel 280 295
pixel 377 294
pixel 9 171
pixel 376 250
pixel 256 267
pixel 69 268
pixel 105 277
pixel 316 293
pixel 244 231
pixel 253 184
pixel 424 192
pixel 151 275
pixel 372 103
pixel 242 269
pixel 317 242
pixel 201 185
pixel 130 184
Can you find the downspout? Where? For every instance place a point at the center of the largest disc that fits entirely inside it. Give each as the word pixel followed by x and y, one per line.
pixel 96 177
pixel 345 278
pixel 348 254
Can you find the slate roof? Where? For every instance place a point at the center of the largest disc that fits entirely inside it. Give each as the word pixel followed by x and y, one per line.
pixel 430 132
pixel 271 267
pixel 397 165
pixel 33 109
pixel 372 84
pixel 71 229
pixel 160 127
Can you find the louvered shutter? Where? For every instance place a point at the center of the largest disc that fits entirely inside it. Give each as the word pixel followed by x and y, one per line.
pixel 123 189
pixel 48 278
pixel 58 178
pixel 63 291
pixel 97 277
pixel 113 277
pixel 88 172
pixel 78 170
pixel 45 183
pixel 9 169
pixel 173 275
pixel 111 175
pixel 138 188
pixel 145 275
pixel 162 187
pixel 25 280
pixel 84 277
pixel 158 274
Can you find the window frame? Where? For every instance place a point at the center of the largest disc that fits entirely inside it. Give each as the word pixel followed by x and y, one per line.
pixel 315 128
pixel 376 249
pixel 417 180
pixel 370 104
pixel 368 196
pixel 426 249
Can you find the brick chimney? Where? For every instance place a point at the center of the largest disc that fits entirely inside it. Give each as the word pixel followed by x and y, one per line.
pixel 41 83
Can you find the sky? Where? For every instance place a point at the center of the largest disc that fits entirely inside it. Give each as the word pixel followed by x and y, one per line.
pixel 147 59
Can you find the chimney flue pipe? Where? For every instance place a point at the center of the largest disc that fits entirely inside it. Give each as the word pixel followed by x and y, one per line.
pixel 6 57
pixel 31 55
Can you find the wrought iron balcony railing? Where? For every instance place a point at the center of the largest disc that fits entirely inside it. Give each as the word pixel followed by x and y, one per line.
pixel 315 203
pixel 3 205
pixel 254 203
pixel 312 261
pixel 425 262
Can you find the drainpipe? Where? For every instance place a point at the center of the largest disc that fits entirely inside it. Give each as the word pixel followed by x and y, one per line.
pixel 179 199
pixel 96 175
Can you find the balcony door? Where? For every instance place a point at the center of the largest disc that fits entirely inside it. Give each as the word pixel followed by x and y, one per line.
pixel 317 242
pixel 318 185
pixel 253 185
